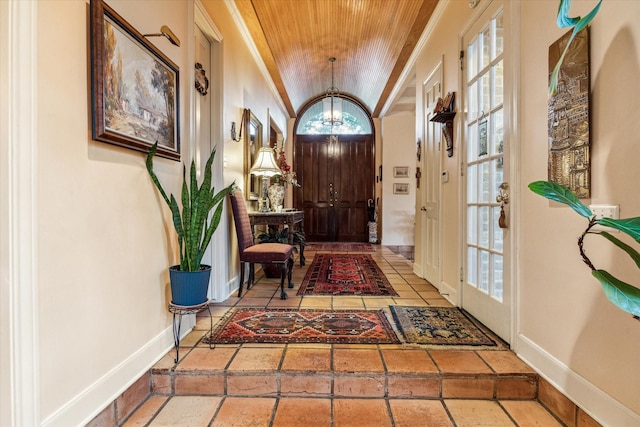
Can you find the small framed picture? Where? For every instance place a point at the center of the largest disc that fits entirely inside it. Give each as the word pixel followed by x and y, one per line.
pixel 482 138
pixel 401 172
pixel 400 188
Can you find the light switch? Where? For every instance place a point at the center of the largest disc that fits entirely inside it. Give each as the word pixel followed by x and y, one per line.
pixel 609 211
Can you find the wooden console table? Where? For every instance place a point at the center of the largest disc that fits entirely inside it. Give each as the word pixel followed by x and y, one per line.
pixel 289 218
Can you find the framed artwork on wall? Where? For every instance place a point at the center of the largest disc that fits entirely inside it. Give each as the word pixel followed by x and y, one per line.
pixel 401 188
pixel 134 87
pixel 401 172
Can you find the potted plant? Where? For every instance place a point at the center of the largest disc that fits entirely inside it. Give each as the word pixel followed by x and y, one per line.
pixel 276 235
pixel 190 279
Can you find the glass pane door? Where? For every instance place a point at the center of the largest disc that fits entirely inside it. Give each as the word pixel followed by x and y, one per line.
pixel 484 290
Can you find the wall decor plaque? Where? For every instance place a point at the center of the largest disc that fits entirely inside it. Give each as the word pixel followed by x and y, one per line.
pixel 568 119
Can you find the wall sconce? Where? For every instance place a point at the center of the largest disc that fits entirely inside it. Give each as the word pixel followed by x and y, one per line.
pixel 165 32
pixel 233 127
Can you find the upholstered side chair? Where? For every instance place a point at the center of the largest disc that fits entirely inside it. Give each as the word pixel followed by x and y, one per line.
pixel 265 253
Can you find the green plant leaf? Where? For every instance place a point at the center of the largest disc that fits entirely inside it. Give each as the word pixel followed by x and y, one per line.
pixel 558 193
pixel 154 177
pixel 621 294
pixel 631 226
pixel 635 256
pixel 563 21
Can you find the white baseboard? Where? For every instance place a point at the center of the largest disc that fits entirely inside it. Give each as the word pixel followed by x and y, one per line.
pixel 89 403
pixel 230 288
pixel 417 269
pixel 449 292
pixel 595 402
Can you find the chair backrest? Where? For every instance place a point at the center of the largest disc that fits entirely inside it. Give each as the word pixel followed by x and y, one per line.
pixel 241 220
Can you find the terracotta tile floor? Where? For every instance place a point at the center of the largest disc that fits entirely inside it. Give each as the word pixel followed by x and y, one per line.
pixel 339 385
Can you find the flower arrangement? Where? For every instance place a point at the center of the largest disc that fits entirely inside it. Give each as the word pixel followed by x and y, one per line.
pixel 287 176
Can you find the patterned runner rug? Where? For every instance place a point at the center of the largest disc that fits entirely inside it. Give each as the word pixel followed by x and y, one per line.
pixel 256 325
pixel 439 325
pixel 345 274
pixel 339 247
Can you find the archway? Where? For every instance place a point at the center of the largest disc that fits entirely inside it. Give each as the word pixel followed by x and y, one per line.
pixel 336 170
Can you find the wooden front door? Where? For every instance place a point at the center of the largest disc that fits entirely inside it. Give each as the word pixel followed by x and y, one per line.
pixel 337 179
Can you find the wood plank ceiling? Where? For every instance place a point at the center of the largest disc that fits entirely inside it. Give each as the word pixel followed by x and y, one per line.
pixel 371 40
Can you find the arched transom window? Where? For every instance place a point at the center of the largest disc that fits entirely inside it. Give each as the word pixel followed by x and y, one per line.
pixel 355 120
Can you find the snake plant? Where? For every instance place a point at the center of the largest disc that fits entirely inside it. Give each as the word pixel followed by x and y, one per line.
pixel 192 225
pixel 621 294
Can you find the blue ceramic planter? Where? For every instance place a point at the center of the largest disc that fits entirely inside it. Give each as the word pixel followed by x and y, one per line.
pixel 189 287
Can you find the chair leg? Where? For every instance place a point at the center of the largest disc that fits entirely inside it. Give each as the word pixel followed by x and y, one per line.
pixel 241 279
pixel 290 268
pixel 252 276
pixel 283 268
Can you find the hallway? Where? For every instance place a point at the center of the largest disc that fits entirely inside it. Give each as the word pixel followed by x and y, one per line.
pixel 341 385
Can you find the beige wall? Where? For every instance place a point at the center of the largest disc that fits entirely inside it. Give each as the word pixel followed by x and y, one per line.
pixel 562 308
pixel 104 240
pixel 103 245
pixel 566 328
pixel 398 210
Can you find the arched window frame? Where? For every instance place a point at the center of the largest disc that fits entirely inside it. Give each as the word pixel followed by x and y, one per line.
pixel 351 109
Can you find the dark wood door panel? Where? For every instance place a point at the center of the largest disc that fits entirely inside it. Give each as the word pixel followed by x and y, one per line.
pixel 317 225
pixel 337 178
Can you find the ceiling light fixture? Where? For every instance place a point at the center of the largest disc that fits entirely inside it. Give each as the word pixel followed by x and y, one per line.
pixel 332 103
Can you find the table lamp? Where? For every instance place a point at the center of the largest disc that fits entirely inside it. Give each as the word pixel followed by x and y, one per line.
pixel 265 166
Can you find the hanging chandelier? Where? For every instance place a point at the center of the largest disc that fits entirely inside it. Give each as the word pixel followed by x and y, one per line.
pixel 332 104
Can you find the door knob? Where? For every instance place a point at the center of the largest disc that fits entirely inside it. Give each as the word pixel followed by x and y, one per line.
pixel 424 209
pixel 503 196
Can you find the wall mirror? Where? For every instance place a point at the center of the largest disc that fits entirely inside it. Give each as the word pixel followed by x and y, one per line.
pixel 252 144
pixel 275 136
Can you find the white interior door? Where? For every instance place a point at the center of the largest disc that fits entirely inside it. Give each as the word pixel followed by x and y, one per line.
pixel 431 166
pixel 207 131
pixel 486 292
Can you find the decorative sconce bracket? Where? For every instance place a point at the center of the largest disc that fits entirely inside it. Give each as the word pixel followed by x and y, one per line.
pixel 444 113
pixel 446 118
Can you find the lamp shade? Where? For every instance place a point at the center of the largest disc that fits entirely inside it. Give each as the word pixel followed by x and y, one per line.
pixel 265 164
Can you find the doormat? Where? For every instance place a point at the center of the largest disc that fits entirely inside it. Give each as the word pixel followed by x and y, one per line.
pixel 345 274
pixel 256 325
pixel 440 326
pixel 339 247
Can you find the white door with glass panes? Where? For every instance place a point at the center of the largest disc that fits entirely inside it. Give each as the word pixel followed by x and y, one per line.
pixel 486 290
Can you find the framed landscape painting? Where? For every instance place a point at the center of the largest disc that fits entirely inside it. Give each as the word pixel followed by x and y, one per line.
pixel 134 87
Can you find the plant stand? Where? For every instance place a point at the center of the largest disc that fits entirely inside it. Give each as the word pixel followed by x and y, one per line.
pixel 181 310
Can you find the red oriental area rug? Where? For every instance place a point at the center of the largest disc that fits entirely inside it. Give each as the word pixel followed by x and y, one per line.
pixel 339 247
pixel 256 325
pixel 345 274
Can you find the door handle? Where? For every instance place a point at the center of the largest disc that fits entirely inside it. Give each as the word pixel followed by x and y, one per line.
pixel 503 199
pixel 503 195
pixel 424 209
